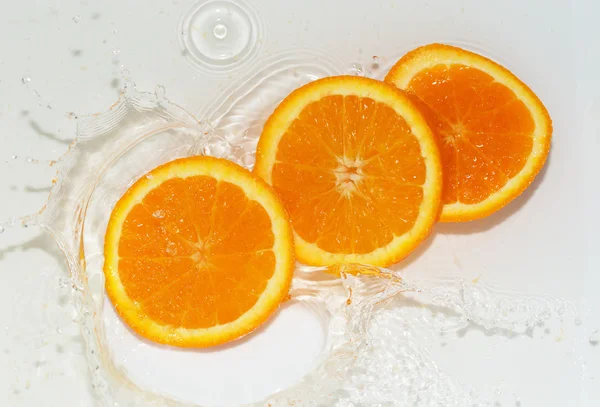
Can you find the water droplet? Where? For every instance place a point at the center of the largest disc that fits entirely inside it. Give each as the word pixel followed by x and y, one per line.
pixel 77 19
pixel 220 148
pixel 27 221
pixel 115 32
pixel 357 69
pixel 578 321
pixel 220 31
pixel 14 157
pixel 160 91
pixel 30 159
pixel 63 282
pixel 126 75
pixel 375 65
pixel 58 331
pixel 1 229
pixel 149 176
pixel 25 80
pixel 594 338
pixel 171 249
pixel 116 52
pixel 220 34
pixel 159 214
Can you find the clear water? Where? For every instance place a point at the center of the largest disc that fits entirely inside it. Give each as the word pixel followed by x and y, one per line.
pixel 219 36
pixel 379 326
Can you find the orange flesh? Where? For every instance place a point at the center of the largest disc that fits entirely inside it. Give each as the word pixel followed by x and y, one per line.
pixel 484 131
pixel 350 173
pixel 196 252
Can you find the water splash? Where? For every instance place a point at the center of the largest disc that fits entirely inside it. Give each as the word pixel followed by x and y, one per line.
pixel 374 319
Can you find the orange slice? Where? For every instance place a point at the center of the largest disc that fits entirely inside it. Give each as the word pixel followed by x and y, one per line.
pixel 357 168
pixel 197 253
pixel 494 132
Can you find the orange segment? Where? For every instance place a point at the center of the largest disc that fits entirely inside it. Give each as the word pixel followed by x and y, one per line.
pixel 493 132
pixel 197 253
pixel 357 169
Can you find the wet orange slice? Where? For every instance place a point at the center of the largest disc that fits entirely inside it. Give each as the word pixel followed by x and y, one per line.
pixel 494 132
pixel 357 168
pixel 197 253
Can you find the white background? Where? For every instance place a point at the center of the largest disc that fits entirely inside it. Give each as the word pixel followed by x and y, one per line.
pixel 70 53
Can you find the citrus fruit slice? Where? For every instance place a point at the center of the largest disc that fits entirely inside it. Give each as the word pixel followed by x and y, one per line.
pixel 493 131
pixel 197 253
pixel 357 169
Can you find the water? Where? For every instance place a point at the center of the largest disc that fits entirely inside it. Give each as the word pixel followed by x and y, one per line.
pixel 357 69
pixel 378 324
pixel 221 35
pixel 594 338
pixel 159 214
pixel 26 80
pixel 171 249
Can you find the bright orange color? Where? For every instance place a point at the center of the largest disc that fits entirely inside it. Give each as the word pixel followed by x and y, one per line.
pixel 493 131
pixel 198 252
pixel 356 167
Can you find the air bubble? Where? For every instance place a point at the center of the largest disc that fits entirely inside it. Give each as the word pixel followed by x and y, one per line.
pixel 159 214
pixel 77 19
pixel 25 80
